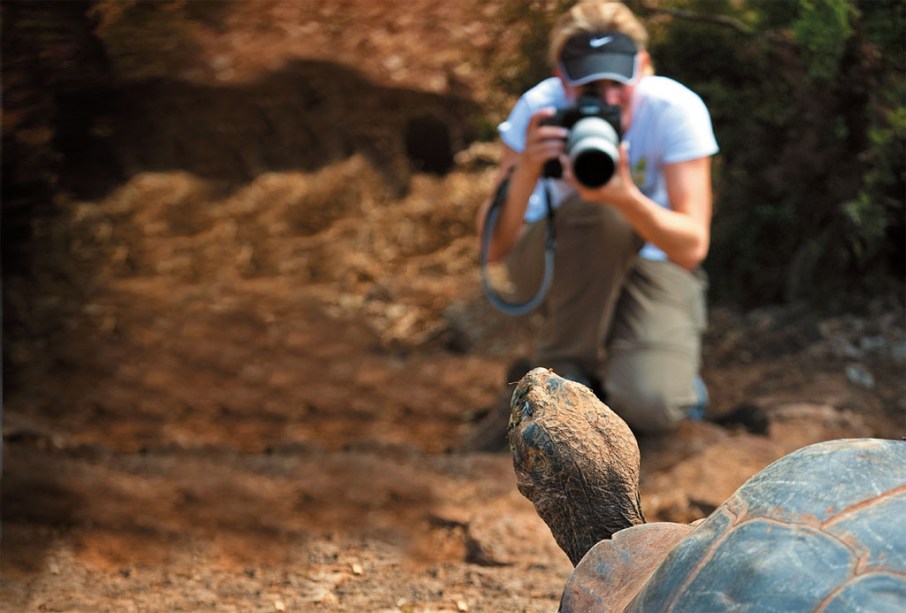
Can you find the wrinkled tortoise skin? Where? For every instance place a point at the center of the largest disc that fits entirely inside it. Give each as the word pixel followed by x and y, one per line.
pixel 570 454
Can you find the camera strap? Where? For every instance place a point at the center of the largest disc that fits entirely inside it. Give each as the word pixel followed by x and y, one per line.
pixel 519 308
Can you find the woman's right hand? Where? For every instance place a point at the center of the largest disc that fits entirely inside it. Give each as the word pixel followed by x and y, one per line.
pixel 543 142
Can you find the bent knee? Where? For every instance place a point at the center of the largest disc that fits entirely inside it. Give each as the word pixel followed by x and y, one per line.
pixel 648 410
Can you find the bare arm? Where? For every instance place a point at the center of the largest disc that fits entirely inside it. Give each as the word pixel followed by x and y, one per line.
pixel 524 169
pixel 683 233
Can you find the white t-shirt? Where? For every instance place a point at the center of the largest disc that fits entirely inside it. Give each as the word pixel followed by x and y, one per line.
pixel 670 123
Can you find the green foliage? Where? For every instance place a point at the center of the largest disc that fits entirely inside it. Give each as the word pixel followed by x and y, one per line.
pixel 822 30
pixel 808 100
pixel 872 208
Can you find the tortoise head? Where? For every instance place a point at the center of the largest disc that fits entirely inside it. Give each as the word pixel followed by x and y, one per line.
pixel 534 450
pixel 575 460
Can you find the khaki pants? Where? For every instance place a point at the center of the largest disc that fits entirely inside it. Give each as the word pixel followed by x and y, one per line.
pixel 635 324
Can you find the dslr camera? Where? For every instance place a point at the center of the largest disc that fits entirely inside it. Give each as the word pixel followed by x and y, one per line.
pixel 593 143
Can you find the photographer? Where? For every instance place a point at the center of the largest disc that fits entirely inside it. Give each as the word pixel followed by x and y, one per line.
pixel 626 308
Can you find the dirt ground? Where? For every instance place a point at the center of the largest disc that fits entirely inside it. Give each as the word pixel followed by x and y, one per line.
pixel 258 444
pixel 255 398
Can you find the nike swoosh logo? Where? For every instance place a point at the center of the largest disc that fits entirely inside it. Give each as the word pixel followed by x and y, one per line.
pixel 600 42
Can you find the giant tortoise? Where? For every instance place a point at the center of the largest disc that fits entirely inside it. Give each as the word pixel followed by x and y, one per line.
pixel 822 529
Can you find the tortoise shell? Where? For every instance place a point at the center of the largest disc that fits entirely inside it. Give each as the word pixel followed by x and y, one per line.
pixel 822 529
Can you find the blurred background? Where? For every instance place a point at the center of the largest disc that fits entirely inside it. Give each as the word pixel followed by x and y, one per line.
pixel 238 246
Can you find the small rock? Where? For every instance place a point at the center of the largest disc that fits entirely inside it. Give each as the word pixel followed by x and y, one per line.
pixel 858 374
pixel 324 595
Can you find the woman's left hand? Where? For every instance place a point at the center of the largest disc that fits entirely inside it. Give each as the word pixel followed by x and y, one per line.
pixel 615 192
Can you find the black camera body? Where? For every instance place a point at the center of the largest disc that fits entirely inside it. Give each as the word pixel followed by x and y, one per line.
pixel 593 143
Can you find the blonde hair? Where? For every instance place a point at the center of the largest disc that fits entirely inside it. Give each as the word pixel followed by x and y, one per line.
pixel 596 16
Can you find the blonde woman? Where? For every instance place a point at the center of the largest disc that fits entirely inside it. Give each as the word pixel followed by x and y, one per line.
pixel 626 308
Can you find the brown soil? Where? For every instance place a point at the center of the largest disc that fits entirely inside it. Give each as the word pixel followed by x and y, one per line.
pixel 250 394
